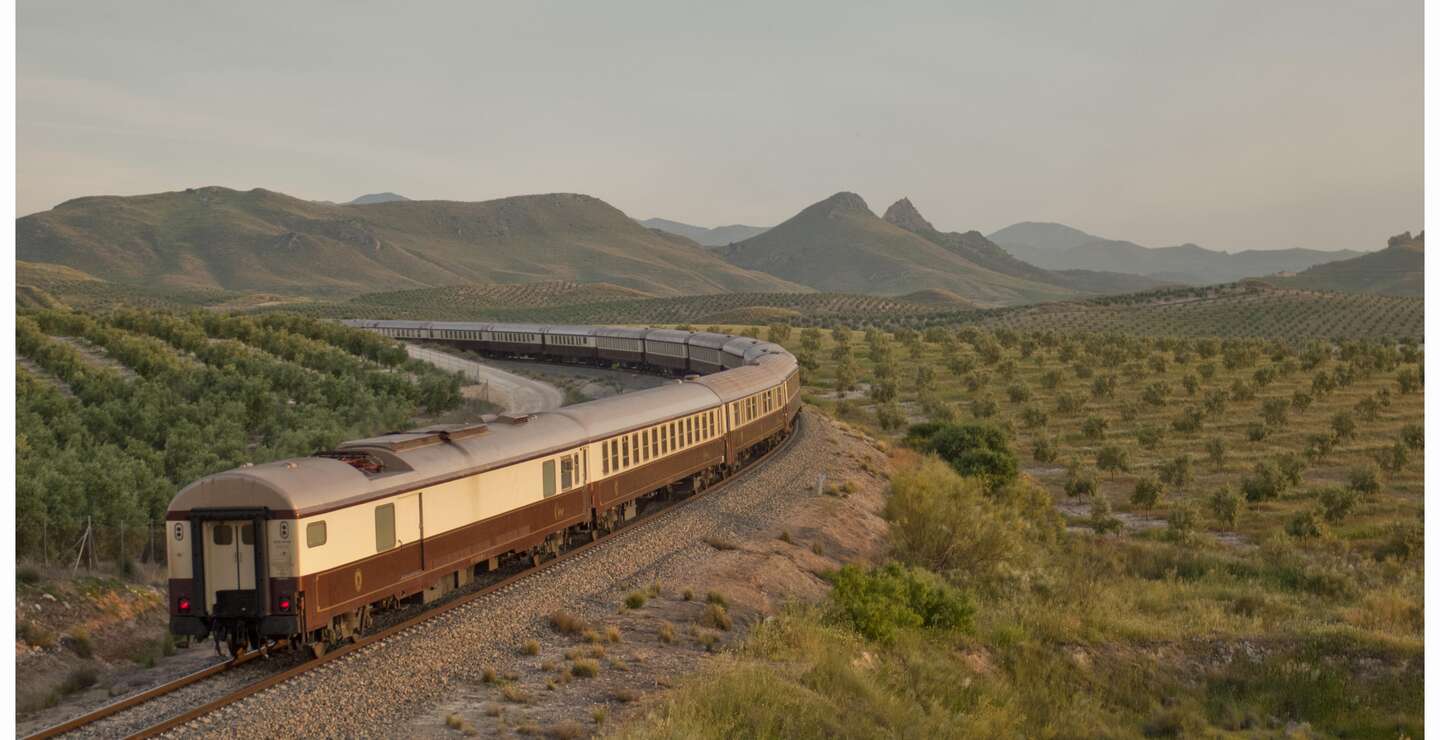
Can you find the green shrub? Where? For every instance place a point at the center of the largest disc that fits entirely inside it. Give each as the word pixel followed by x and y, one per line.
pixel 1365 480
pixel 1113 459
pixel 1102 516
pixel 1179 472
pixel 1147 493
pixel 949 524
pixel 1215 450
pixel 1335 502
pixel 1404 542
pixel 1413 435
pixel 973 450
pixel 1343 424
pixel 1226 505
pixel 1305 525
pixel 1045 450
pixel 881 602
pixel 1080 483
pixel 1094 427
pixel 1265 484
pixel 1181 522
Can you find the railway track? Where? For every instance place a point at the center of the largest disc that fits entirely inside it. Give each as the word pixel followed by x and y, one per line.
pixel 465 600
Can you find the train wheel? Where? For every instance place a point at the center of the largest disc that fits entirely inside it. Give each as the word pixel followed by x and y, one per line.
pixel 318 648
pixel 235 646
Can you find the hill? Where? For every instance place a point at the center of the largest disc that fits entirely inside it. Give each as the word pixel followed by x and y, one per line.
pixel 259 240
pixel 386 197
pixel 973 246
pixel 1399 269
pixel 1061 248
pixel 839 245
pixel 716 237
pixel 1041 235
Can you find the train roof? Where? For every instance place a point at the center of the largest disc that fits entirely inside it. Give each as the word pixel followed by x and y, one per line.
pixel 618 414
pixel 583 331
pixel 708 339
pixel 667 335
pixel 387 464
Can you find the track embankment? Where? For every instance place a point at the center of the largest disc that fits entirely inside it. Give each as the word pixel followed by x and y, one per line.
pixel 515 393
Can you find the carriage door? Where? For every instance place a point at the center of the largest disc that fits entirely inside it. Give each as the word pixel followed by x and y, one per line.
pixel 229 564
pixel 408 532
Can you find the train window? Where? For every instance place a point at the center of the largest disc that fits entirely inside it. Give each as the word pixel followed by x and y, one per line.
pixel 547 477
pixel 315 534
pixel 604 458
pixel 624 452
pixel 689 431
pixel 567 473
pixel 615 455
pixel 654 441
pixel 644 446
pixel 222 534
pixel 674 435
pixel 247 534
pixel 384 527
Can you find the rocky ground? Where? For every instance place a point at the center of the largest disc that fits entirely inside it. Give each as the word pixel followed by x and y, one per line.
pixel 498 666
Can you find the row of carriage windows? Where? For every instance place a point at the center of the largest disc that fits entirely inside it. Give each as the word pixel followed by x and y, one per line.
pixel 638 448
pixel 567 471
pixel 749 409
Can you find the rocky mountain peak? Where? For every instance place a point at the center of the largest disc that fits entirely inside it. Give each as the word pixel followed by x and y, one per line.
pixel 904 214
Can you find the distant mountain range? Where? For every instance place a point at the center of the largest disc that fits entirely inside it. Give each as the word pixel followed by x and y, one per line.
pixel 716 237
pixel 1398 269
pixel 259 240
pixel 840 245
pixel 1059 247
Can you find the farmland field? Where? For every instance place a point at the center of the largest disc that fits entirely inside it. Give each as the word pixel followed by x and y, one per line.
pixel 1236 544
pixel 116 413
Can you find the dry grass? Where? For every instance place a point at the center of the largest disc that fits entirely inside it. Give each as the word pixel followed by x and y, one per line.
pixel 531 647
pixel 567 623
pixel 585 668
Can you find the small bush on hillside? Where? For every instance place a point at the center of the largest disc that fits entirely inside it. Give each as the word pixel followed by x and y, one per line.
pixel 1256 432
pixel 1404 542
pixel 1365 480
pixel 1094 427
pixel 1215 450
pixel 974 450
pixel 1393 459
pixel 881 602
pixel 1413 435
pixel 1147 493
pixel 1045 450
pixel 1179 472
pixel 948 524
pixel 1335 502
pixel 1113 459
pixel 1265 484
pixel 1305 525
pixel 1102 516
pixel 1080 483
pixel 1181 523
pixel 1319 446
pixel 1226 505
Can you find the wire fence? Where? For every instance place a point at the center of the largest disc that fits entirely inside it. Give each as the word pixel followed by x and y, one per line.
pixel 92 546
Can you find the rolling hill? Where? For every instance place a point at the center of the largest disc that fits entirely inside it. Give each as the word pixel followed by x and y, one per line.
pixel 1060 247
pixel 385 197
pixel 973 246
pixel 259 240
pixel 716 237
pixel 1398 269
pixel 840 245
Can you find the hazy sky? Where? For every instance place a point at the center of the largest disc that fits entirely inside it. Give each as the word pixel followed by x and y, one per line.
pixel 1230 124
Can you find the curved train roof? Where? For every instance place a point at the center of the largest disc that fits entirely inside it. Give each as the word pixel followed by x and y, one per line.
pixel 408 460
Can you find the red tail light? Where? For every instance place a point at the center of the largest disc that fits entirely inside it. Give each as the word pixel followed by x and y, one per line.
pixel 183 605
pixel 285 603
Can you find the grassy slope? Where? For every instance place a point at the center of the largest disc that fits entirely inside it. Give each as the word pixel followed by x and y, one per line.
pixel 264 241
pixel 839 245
pixel 1249 630
pixel 1396 270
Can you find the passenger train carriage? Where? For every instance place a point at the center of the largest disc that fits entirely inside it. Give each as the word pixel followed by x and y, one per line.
pixel 306 549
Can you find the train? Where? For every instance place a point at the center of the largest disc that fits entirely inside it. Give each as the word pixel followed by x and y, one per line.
pixel 308 550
